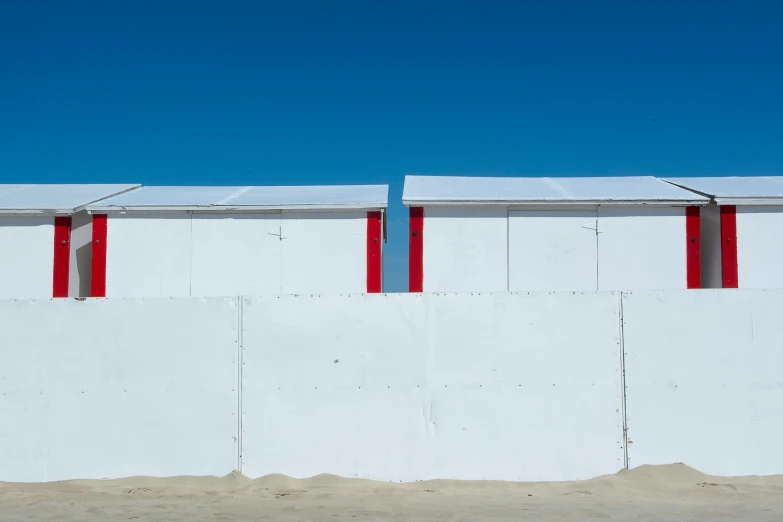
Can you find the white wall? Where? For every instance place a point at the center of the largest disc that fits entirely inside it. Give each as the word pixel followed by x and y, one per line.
pixel 148 257
pixel 26 257
pixel 236 254
pixel 485 249
pixel 393 387
pixel 641 248
pixel 465 249
pixel 114 388
pixel 213 254
pixel 760 246
pixel 703 376
pixel 324 252
pixel 411 387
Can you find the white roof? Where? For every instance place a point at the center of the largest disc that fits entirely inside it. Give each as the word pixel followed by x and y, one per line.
pixel 54 199
pixel 248 198
pixel 761 190
pixel 448 190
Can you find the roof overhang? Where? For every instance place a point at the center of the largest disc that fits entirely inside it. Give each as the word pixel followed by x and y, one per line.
pixel 698 201
pixel 99 209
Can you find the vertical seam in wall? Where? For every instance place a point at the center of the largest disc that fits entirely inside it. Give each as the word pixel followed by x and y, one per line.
pixel 240 383
pixel 623 407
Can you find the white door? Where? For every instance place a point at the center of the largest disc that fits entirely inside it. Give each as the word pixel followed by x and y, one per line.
pixel 236 254
pixel 641 248
pixel 552 250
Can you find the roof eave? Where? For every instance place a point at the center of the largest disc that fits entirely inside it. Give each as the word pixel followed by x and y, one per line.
pixel 553 202
pixel 37 211
pixel 763 201
pixel 231 208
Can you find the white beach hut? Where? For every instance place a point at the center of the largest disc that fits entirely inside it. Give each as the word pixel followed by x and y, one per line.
pixel 524 234
pixel 45 238
pixel 742 230
pixel 214 241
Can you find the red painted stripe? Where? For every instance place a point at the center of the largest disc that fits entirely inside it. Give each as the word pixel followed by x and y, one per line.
pixel 62 256
pixel 693 248
pixel 416 250
pixel 98 281
pixel 374 260
pixel 728 250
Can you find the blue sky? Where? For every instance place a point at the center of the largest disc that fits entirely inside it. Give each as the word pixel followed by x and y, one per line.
pixel 353 92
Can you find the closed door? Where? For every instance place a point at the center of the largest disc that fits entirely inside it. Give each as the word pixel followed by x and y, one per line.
pixel 552 250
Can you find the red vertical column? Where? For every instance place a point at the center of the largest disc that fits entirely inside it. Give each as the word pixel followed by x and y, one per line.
pixel 374 258
pixel 62 256
pixel 693 248
pixel 99 232
pixel 416 250
pixel 728 247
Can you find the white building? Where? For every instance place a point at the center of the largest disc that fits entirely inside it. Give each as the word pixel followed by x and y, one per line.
pixel 526 234
pixel 214 241
pixel 742 230
pixel 45 238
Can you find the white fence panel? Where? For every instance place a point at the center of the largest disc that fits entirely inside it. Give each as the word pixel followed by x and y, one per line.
pixel 114 388
pixel 419 386
pixel 704 379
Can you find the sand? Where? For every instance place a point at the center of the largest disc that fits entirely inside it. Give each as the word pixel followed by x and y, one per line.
pixel 673 492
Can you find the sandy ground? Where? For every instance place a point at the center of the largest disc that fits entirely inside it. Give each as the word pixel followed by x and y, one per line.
pixel 673 492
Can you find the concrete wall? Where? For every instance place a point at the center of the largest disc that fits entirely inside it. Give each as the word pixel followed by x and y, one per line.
pixel 703 376
pixel 404 387
pixel 411 387
pixel 485 249
pixel 26 256
pixel 215 254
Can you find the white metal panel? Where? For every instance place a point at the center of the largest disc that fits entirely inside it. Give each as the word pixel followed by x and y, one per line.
pixel 26 257
pixel 237 198
pixel 116 388
pixel 324 252
pixel 416 386
pixel 552 250
pixel 148 255
pixel 641 248
pixel 760 246
pixel 736 190
pixel 54 198
pixel 465 249
pixel 703 376
pixel 236 254
pixel 429 190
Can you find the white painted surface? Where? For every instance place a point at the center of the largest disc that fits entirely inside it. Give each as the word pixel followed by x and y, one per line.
pixel 703 380
pixel 238 198
pixel 736 190
pixel 641 248
pixel 416 386
pixel 26 257
pixel 49 199
pixel 149 255
pixel 711 264
pixel 115 388
pixel 760 246
pixel 451 190
pixel 236 254
pixel 465 249
pixel 552 250
pixel 324 252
